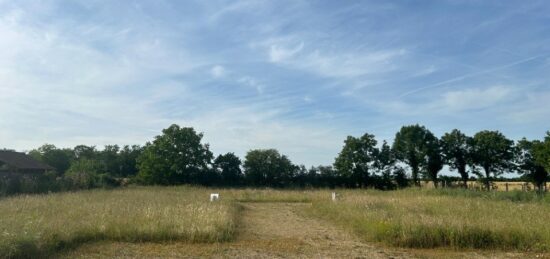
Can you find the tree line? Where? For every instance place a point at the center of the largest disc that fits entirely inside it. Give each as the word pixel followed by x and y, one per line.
pixel 179 156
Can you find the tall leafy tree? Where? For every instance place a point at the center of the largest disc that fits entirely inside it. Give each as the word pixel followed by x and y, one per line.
pixel 385 159
pixel 434 160
pixel 267 167
pixel 128 156
pixel 528 165
pixel 328 177
pixel 357 159
pixel 229 167
pixel 85 152
pixel 456 148
pixel 411 146
pixel 109 158
pixel 177 156
pixel 60 159
pixel 492 152
pixel 542 152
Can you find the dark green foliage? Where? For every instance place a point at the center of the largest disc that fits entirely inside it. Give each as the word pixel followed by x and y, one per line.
pixel 528 165
pixel 456 151
pixel 411 146
pixel 60 159
pixel 178 157
pixel 434 162
pixel 127 160
pixel 541 152
pixel 492 152
pixel 357 159
pixel 229 169
pixel 400 178
pixel 85 152
pixel 83 174
pixel 175 157
pixel 267 167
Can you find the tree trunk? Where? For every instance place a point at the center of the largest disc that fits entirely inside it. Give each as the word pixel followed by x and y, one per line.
pixel 415 176
pixel 487 177
pixel 464 175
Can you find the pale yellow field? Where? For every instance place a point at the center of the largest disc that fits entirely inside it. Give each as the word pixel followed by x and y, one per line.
pixel 496 186
pixel 373 222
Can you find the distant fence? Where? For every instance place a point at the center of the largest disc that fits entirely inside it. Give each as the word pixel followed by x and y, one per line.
pixel 495 185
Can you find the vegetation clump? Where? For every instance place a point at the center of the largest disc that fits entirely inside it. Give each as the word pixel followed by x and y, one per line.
pixel 40 225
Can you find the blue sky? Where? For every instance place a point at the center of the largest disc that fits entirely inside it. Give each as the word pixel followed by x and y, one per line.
pixel 295 75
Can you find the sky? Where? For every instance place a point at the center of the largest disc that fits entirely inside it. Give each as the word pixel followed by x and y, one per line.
pixel 298 76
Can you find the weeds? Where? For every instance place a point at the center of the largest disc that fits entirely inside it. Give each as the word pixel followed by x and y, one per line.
pixel 44 224
pixel 456 219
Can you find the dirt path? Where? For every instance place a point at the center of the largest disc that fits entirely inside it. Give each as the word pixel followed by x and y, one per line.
pixel 273 230
pixel 285 233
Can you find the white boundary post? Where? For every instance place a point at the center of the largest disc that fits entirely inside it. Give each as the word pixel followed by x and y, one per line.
pixel 214 196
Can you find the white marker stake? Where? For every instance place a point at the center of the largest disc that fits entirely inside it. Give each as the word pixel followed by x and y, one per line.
pixel 214 196
pixel 333 196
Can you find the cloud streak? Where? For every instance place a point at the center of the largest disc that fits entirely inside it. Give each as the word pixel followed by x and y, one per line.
pixel 295 75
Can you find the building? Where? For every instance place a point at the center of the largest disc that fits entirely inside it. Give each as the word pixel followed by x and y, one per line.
pixel 20 163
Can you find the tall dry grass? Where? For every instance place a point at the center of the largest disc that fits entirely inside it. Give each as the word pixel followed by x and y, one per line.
pixel 427 219
pixel 40 225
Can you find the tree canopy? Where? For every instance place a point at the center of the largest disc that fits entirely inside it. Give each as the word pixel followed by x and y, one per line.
pixel 411 146
pixel 267 167
pixel 492 152
pixel 177 156
pixel 357 159
pixel 229 168
pixel 456 149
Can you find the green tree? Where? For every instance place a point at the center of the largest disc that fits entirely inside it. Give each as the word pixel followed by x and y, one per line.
pixel 411 146
pixel 455 147
pixel 229 167
pixel 357 159
pixel 527 151
pixel 84 173
pixel 328 177
pixel 109 158
pixel 85 152
pixel 267 167
pixel 542 153
pixel 177 156
pixel 128 156
pixel 60 159
pixel 492 152
pixel 385 159
pixel 434 162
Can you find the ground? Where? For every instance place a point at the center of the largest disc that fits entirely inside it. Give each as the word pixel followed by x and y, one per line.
pixel 277 230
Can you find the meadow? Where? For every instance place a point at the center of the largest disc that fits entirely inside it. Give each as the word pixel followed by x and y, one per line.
pixel 33 225
pixel 457 219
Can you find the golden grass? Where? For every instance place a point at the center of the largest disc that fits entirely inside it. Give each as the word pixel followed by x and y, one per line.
pixel 44 224
pixel 426 219
pixel 419 218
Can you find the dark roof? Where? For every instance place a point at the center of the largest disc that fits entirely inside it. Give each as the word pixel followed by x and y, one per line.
pixel 22 161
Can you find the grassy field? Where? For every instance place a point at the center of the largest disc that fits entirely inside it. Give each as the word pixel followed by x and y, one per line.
pixel 44 224
pixel 443 218
pixel 412 218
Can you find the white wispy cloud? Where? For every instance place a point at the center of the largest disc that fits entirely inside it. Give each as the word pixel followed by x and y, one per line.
pixel 251 82
pixel 218 71
pixel 475 98
pixel 280 54
pixel 295 75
